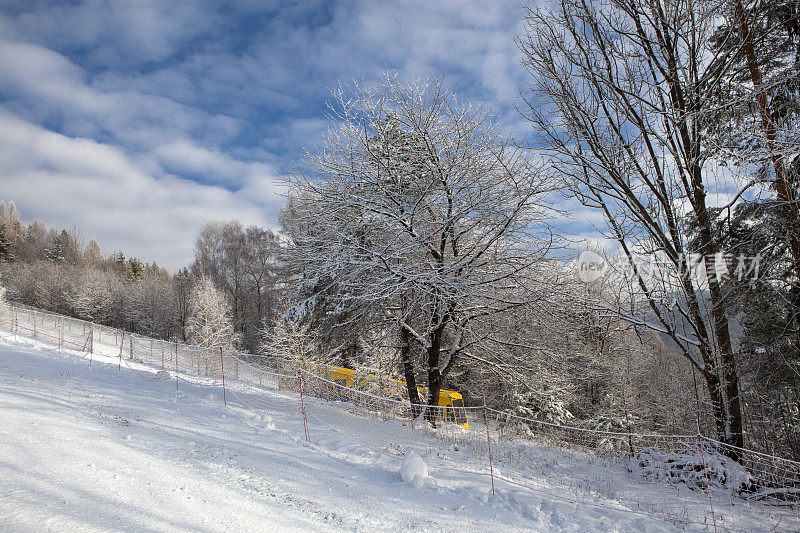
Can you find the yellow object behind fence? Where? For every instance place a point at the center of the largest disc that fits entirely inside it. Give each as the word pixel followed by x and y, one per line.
pixel 451 401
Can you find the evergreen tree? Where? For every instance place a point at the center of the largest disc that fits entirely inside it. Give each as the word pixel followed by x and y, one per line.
pixel 5 245
pixel 3 304
pixel 133 269
pixel 182 289
pixel 56 252
pixel 754 121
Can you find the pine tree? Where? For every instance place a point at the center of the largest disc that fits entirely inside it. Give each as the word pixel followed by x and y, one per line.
pixel 758 113
pixel 133 269
pixel 3 304
pixel 5 245
pixel 56 252
pixel 755 122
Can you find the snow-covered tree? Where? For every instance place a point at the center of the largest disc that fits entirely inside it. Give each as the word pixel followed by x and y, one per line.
pixel 133 269
pixel 94 298
pixel 209 324
pixel 43 284
pixel 10 231
pixel 286 339
pixel 424 210
pixel 32 244
pixel 757 117
pixel 64 247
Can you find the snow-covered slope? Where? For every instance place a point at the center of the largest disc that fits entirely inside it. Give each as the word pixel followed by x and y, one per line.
pixel 93 448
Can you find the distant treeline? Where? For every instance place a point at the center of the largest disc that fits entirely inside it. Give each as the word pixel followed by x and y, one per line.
pixel 54 269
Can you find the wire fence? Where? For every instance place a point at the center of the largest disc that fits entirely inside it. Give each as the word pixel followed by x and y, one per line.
pixel 689 480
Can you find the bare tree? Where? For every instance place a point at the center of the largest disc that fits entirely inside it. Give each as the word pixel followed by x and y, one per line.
pixel 262 266
pixel 92 256
pixel 616 98
pixel 243 264
pixel 417 204
pixel 32 244
pixel 219 255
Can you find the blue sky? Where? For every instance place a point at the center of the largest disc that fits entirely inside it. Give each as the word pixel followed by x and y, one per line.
pixel 139 121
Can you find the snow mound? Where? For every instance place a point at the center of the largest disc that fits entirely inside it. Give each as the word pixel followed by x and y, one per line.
pixel 414 470
pixel 163 375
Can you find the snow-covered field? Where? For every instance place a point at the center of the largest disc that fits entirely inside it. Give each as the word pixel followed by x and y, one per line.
pixel 92 448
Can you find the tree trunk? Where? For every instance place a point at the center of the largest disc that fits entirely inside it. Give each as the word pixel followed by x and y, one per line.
pixel 349 354
pixel 434 375
pixel 408 372
pixel 731 415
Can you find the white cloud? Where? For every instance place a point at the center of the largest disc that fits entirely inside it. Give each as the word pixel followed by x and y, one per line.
pixel 66 181
pixel 51 87
pixel 118 32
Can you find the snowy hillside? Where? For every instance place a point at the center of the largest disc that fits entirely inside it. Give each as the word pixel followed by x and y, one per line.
pixel 94 448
